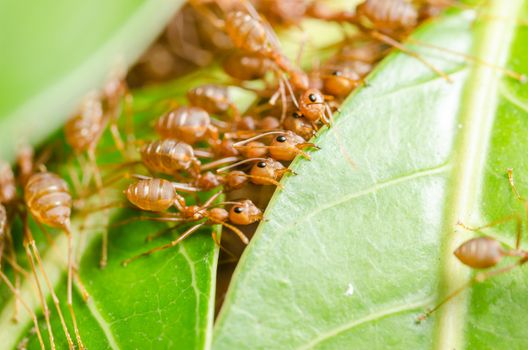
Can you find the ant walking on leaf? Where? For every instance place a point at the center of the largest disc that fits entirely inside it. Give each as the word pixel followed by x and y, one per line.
pixel 485 252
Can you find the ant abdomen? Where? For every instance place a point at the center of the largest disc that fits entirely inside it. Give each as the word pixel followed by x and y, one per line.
pixel 189 124
pixel 169 156
pixel 247 33
pixel 152 194
pixel 7 183
pixel 246 66
pixel 212 98
pixel 389 15
pixel 480 252
pixel 48 198
pixel 84 129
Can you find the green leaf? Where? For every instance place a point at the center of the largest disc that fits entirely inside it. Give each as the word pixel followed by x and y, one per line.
pixel 54 52
pixel 360 242
pixel 161 301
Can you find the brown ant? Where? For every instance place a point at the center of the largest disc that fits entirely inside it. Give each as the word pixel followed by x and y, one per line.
pixel 214 99
pixel 485 252
pixel 140 194
pixel 264 171
pixel 48 200
pixel 188 124
pixel 285 146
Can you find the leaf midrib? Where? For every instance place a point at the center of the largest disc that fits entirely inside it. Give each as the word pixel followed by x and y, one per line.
pixel 477 117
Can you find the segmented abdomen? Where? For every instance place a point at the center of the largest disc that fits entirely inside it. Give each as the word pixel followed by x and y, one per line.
pixel 247 33
pixel 213 98
pixel 49 200
pixel 167 156
pixel 84 129
pixel 151 194
pixel 389 14
pixel 480 252
pixel 188 124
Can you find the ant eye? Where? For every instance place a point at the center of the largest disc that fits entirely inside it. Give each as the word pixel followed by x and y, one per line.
pixel 336 73
pixel 296 115
pixel 281 138
pixel 238 210
pixel 312 97
pixel 261 164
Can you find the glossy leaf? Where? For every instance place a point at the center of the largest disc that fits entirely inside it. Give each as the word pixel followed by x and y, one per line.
pixel 54 52
pixel 360 242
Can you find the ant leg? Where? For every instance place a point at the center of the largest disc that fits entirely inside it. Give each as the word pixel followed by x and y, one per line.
pixel 239 233
pixel 219 162
pixel 116 136
pixel 18 297
pixel 84 291
pixel 478 278
pixel 45 309
pixel 70 287
pixel 165 246
pixel 99 185
pixel 267 179
pixel 512 185
pixel 163 232
pixel 491 224
pixel 512 74
pixel 390 41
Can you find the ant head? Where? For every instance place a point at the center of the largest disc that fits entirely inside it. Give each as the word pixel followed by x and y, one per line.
pixel 284 147
pixel 266 169
pixel 244 213
pixel 480 252
pixel 340 82
pixel 312 104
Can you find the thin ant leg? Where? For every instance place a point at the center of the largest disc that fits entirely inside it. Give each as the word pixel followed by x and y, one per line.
pixel 70 286
pixel 271 181
pixel 45 309
pixel 28 309
pixel 16 269
pixel 394 43
pixel 219 162
pixel 491 224
pixel 512 185
pixel 239 233
pixel 163 232
pixel 84 291
pixel 52 291
pixel 165 246
pixel 512 74
pixel 478 278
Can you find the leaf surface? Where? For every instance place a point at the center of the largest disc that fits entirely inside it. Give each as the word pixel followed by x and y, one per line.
pixel 360 242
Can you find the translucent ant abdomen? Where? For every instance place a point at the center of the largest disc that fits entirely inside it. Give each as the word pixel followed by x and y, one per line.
pixel 48 198
pixel 170 156
pixel 188 124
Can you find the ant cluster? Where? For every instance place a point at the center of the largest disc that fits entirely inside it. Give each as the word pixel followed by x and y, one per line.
pixel 209 145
